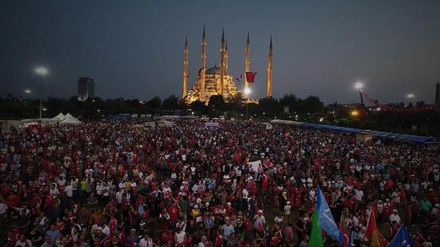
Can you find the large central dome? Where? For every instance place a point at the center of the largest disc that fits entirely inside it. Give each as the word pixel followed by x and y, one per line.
pixel 213 71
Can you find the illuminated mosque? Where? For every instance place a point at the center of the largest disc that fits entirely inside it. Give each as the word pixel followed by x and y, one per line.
pixel 217 80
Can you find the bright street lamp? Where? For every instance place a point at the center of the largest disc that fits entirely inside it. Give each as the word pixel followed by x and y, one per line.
pixel 410 96
pixel 359 85
pixel 41 71
pixel 27 91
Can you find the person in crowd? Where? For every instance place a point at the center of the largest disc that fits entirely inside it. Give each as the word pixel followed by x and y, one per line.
pixel 106 171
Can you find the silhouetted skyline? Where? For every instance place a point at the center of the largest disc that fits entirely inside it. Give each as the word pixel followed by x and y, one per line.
pixel 134 49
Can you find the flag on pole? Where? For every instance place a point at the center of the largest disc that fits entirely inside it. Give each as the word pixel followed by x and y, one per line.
pixel 326 220
pixel 250 77
pixel 371 225
pixel 316 234
pixel 375 239
pixel 345 234
pixel 239 78
pixel 372 234
pixel 402 238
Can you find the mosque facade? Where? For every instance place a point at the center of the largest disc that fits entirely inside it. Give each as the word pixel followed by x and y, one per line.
pixel 217 80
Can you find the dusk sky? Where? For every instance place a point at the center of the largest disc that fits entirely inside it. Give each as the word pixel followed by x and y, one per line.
pixel 134 48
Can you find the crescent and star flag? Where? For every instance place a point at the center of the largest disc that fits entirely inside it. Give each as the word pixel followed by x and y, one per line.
pixel 326 220
pixel 402 238
pixel 250 77
pixel 316 234
pixel 344 231
pixel 106 241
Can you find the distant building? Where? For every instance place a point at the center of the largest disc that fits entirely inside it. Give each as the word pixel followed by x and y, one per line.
pixel 86 88
pixel 437 93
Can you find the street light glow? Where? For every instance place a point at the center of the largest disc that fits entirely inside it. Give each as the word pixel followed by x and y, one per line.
pixel 41 71
pixel 247 91
pixel 27 91
pixel 410 96
pixel 359 85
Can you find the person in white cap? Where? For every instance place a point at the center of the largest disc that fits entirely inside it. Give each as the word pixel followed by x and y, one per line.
pixel 287 209
pixel 204 242
pixel 259 221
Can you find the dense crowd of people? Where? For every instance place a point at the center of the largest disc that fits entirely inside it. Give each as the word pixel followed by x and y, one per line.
pixel 243 183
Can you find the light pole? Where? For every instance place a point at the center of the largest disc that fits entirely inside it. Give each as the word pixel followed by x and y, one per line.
pixel 410 96
pixel 359 86
pixel 247 91
pixel 41 71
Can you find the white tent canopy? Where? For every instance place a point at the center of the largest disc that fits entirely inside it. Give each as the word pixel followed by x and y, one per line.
pixel 59 117
pixel 70 120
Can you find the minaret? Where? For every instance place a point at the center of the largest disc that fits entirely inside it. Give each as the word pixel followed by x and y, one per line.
pixel 203 68
pixel 222 62
pixel 185 69
pixel 269 71
pixel 226 58
pixel 248 61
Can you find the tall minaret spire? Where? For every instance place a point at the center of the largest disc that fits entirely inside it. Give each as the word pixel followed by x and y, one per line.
pixel 248 60
pixel 203 67
pixel 185 68
pixel 226 58
pixel 269 70
pixel 222 62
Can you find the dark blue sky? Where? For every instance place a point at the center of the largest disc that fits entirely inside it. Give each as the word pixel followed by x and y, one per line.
pixel 134 49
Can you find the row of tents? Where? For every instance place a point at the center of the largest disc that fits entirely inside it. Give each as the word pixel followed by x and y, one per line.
pixel 362 133
pixel 66 119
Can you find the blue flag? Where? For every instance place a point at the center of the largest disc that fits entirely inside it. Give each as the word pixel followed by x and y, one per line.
pixel 402 238
pixel 326 220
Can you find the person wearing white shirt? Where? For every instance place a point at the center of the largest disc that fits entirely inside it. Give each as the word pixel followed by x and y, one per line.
pixel 119 196
pixel 394 217
pixel 23 241
pixel 62 181
pixel 244 198
pixel 122 185
pixel 69 190
pixel 3 208
pixel 146 241
pixel 204 242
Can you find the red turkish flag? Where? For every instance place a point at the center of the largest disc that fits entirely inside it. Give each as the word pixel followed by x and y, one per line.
pixel 173 211
pixel 250 77
pixel 264 181
pixel 218 240
pixel 106 241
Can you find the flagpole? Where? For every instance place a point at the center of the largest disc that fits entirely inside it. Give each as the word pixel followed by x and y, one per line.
pixel 397 233
pixel 368 221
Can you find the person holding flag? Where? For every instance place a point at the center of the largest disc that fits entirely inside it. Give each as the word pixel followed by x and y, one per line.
pixel 344 231
pixel 316 234
pixel 326 220
pixel 259 221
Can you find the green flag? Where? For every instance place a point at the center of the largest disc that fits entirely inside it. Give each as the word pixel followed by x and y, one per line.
pixel 316 235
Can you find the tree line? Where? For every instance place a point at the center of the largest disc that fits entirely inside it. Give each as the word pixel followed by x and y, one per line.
pixel 289 107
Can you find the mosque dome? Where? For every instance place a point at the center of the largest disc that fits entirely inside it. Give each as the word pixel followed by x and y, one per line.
pixel 213 71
